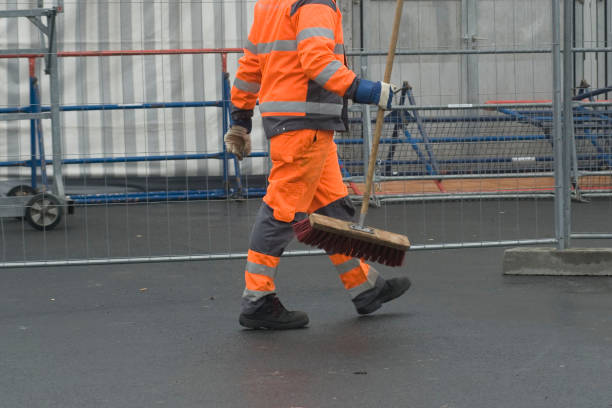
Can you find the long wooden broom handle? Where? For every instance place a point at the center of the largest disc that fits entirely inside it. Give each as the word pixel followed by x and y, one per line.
pixel 381 113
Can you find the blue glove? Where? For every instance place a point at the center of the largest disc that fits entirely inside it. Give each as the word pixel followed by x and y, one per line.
pixel 375 93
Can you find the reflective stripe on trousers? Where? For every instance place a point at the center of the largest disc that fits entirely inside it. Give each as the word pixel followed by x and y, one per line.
pixel 305 178
pixel 356 275
pixel 272 236
pixel 259 275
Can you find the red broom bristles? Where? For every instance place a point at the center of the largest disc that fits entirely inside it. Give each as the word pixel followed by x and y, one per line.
pixel 337 244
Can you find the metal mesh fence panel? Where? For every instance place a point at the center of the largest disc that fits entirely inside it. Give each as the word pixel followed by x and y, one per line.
pixel 466 156
pixel 487 140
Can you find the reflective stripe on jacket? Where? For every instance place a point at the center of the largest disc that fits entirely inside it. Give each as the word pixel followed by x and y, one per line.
pixel 294 64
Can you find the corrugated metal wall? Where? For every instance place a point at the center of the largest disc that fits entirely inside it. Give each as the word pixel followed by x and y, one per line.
pixel 125 24
pixel 130 25
pixel 438 25
pixel 594 29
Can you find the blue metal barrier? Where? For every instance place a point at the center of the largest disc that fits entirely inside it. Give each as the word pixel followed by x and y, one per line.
pixel 592 124
pixel 37 158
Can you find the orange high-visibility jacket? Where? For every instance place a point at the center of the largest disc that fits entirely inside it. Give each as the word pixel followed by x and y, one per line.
pixel 294 63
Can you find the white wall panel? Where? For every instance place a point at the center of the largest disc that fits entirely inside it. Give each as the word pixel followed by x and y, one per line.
pixel 126 24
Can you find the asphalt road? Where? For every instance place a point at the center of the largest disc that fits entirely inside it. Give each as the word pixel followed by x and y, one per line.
pixel 166 334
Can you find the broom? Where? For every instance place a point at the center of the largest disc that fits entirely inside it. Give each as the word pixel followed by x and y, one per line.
pixel 356 240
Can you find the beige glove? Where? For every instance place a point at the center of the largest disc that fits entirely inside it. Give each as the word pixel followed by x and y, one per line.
pixel 238 141
pixel 386 95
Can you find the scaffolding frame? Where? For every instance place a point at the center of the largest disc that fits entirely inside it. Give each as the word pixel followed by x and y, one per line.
pixel 15 206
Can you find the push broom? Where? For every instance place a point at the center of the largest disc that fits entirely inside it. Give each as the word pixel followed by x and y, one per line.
pixel 348 238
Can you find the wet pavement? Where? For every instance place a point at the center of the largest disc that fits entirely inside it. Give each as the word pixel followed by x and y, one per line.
pixel 167 334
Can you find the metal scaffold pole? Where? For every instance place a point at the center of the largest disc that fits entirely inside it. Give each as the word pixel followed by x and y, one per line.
pixel 41 208
pixel 557 121
pixel 568 121
pixel 562 119
pixel 56 135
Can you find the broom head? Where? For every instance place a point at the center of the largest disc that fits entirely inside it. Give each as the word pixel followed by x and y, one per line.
pixel 345 237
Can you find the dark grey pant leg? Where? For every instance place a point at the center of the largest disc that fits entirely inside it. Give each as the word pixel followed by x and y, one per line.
pixel 342 209
pixel 270 237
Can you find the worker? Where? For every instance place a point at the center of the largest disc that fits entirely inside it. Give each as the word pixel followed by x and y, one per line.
pixel 294 63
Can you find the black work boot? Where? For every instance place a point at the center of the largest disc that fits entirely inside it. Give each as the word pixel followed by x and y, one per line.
pixel 393 288
pixel 273 315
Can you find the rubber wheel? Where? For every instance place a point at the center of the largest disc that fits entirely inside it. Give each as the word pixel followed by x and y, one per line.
pixel 21 190
pixel 44 211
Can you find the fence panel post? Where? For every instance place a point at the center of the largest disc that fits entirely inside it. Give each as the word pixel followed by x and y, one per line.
pixel 568 123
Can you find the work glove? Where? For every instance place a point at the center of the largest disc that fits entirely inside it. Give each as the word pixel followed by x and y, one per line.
pixel 238 141
pixel 375 93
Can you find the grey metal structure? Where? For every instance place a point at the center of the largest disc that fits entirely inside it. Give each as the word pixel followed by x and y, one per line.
pixel 471 101
pixel 566 138
pixel 469 23
pixel 558 125
pixel 45 210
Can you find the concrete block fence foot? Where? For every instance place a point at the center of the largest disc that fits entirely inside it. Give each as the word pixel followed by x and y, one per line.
pixel 551 261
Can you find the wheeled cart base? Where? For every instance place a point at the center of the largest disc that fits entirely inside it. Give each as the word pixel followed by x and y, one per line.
pixel 43 211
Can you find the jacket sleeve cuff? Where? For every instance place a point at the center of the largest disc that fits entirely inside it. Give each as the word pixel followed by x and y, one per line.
pixel 350 92
pixel 367 92
pixel 242 117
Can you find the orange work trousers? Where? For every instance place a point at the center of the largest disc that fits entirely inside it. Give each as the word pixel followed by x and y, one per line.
pixel 305 173
pixel 305 177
